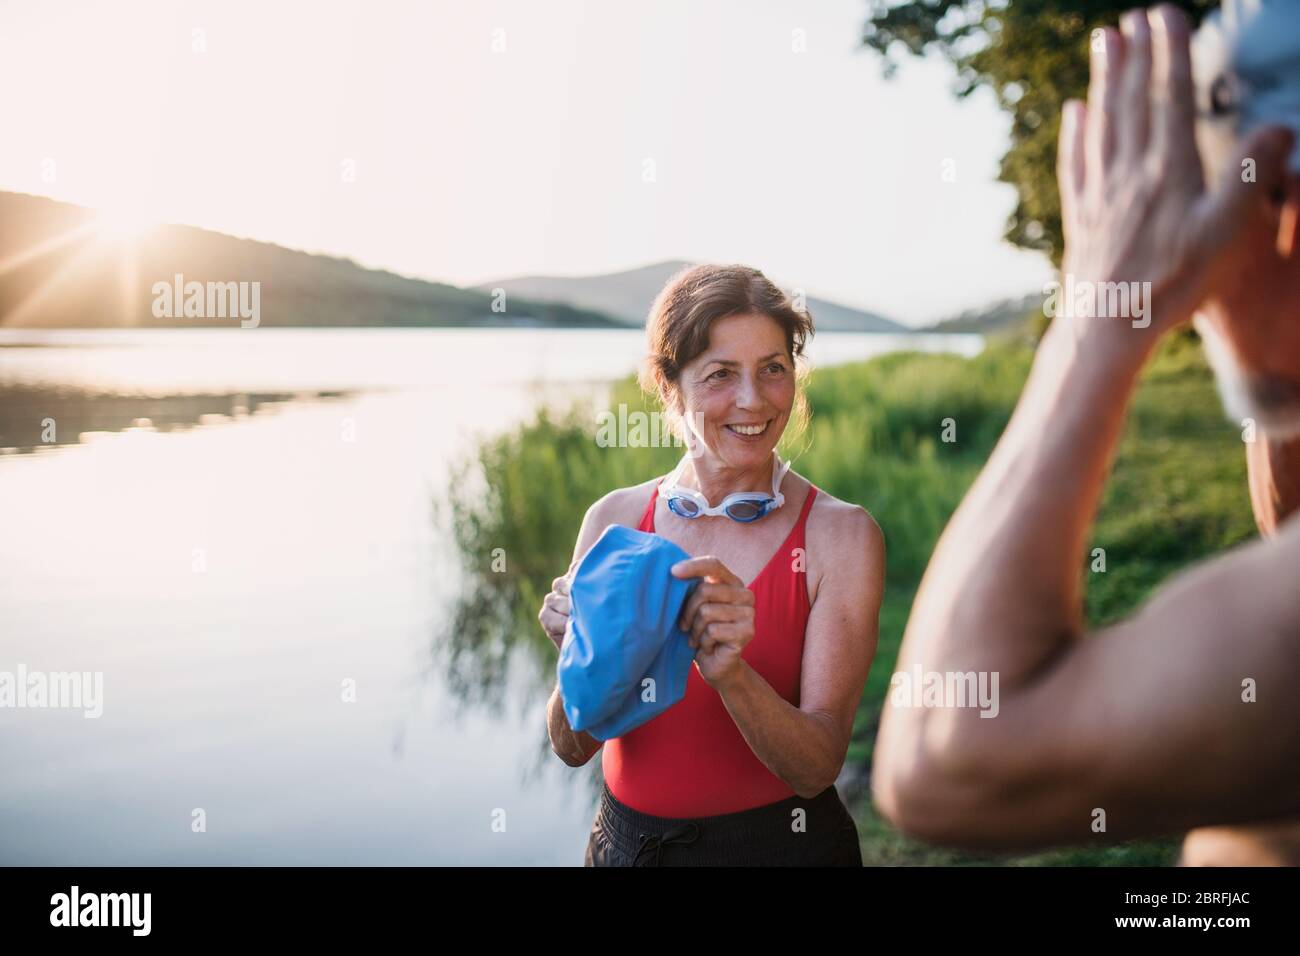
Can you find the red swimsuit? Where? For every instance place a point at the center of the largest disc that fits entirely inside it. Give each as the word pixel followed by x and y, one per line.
pixel 691 760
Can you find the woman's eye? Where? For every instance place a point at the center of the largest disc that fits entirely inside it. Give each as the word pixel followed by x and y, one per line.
pixel 776 368
pixel 719 374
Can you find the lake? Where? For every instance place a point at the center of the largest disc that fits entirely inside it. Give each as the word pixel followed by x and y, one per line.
pixel 240 529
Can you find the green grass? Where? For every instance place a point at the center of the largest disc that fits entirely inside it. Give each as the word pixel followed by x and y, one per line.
pixel 1177 495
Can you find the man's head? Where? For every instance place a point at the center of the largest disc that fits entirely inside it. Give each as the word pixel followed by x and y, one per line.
pixel 1246 66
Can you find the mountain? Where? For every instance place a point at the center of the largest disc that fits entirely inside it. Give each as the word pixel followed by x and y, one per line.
pixel 627 296
pixel 58 269
pixel 1002 316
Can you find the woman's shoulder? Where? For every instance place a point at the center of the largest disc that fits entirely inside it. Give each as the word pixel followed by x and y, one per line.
pixel 623 506
pixel 843 528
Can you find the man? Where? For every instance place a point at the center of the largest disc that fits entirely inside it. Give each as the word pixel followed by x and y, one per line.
pixel 1186 715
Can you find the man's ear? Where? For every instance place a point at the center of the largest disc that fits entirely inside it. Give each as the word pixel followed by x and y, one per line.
pixel 1288 226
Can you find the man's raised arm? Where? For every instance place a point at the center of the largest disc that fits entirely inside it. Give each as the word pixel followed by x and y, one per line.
pixel 1144 721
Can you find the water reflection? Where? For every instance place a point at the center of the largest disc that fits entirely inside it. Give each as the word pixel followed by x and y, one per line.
pixel 321 563
pixel 491 647
pixel 515 509
pixel 34 417
pixel 492 656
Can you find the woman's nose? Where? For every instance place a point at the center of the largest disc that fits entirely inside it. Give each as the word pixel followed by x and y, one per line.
pixel 746 392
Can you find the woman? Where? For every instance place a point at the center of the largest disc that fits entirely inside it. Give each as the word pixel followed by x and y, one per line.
pixel 741 770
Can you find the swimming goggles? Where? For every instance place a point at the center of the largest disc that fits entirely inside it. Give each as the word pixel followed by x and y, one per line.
pixel 743 506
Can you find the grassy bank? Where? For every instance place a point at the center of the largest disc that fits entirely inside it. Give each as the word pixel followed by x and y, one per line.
pixel 1177 495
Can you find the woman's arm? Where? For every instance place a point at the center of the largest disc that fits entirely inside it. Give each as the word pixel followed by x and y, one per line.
pixel 805 745
pixel 575 748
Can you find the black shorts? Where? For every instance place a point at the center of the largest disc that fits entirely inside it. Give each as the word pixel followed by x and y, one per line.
pixel 776 834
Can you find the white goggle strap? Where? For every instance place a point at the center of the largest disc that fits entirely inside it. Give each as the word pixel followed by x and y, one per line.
pixel 671 481
pixel 778 475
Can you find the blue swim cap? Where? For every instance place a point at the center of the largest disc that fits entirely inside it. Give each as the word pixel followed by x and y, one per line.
pixel 624 660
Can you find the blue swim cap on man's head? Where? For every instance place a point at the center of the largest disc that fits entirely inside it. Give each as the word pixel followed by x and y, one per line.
pixel 624 660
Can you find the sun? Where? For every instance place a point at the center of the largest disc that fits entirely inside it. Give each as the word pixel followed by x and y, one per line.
pixel 122 223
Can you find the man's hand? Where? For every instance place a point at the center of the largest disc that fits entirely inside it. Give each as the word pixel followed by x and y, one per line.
pixel 1133 200
pixel 719 617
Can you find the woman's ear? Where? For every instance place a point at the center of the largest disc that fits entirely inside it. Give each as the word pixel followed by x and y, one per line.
pixel 676 406
pixel 671 400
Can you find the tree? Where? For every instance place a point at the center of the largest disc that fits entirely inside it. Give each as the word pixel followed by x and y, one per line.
pixel 1033 54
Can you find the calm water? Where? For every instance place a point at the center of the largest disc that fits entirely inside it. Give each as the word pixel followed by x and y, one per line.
pixel 230 526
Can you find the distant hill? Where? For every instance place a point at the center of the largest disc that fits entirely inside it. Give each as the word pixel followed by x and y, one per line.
pixel 1004 316
pixel 58 271
pixel 627 296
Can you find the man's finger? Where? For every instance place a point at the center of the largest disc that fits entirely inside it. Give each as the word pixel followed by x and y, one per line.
pixel 1069 160
pixel 1134 108
pixel 1106 62
pixel 1175 109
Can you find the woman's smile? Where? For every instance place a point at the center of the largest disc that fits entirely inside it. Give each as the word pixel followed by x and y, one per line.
pixel 748 432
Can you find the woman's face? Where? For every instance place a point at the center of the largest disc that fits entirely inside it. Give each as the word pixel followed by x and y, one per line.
pixel 737 395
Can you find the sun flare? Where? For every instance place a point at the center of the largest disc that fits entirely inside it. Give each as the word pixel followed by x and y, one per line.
pixel 120 224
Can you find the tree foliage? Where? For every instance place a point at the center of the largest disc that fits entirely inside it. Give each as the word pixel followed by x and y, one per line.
pixel 1033 55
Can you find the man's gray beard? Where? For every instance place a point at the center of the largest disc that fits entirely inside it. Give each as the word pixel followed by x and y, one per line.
pixel 1272 402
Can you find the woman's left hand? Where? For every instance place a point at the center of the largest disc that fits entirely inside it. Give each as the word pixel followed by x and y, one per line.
pixel 718 616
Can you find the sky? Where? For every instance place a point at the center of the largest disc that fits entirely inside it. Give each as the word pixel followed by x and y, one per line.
pixel 464 142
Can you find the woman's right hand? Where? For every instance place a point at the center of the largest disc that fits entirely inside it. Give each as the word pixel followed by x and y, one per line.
pixel 554 614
